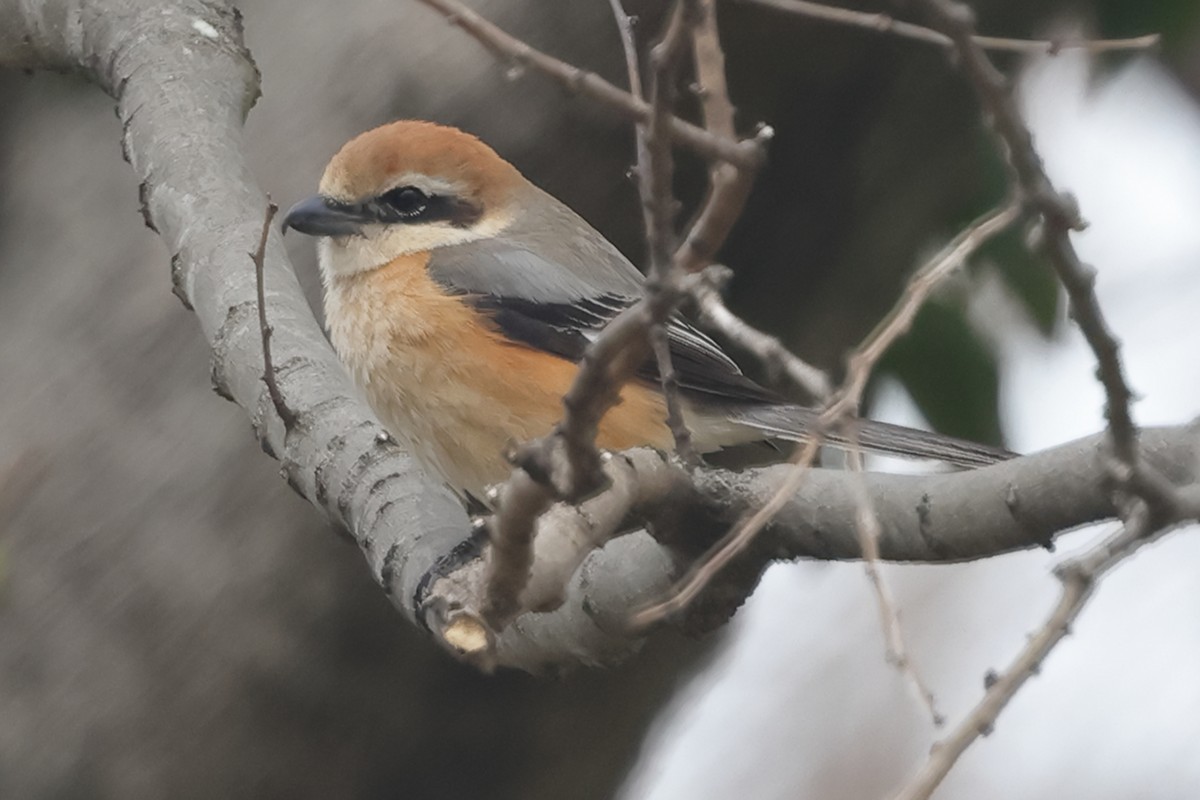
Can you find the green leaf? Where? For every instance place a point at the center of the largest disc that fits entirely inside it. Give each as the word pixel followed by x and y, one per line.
pixel 950 372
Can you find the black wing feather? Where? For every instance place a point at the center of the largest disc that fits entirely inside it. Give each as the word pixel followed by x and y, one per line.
pixel 566 329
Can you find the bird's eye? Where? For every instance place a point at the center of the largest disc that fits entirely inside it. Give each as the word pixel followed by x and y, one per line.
pixel 406 201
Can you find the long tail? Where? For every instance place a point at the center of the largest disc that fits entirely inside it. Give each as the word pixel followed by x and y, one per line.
pixel 795 423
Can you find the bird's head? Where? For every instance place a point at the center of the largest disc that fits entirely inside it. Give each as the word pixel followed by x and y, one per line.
pixel 404 188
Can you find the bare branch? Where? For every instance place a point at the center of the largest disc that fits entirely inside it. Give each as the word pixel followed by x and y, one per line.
pixel 869 530
pixel 1014 505
pixel 1059 216
pixel 1010 505
pixel 655 170
pixel 1157 506
pixel 885 23
pixel 658 333
pixel 728 191
pixel 562 465
pixel 562 538
pixel 508 48
pixel 656 167
pixel 861 364
pixel 1079 578
pixel 520 501
pixel 629 48
pixel 729 183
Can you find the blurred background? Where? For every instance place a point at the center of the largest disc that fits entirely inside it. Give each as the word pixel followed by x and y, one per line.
pixel 175 622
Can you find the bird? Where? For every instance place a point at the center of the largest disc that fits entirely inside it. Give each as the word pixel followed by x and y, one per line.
pixel 461 298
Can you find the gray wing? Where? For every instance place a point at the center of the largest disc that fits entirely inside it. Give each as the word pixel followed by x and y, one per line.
pixel 552 282
pixel 550 256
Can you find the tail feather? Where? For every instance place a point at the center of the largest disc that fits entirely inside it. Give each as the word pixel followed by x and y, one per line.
pixel 796 423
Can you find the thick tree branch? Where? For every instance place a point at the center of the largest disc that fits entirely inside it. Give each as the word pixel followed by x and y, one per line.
pixel 943 518
pixel 962 516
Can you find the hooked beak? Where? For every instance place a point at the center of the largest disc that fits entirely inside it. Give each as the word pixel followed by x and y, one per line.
pixel 322 216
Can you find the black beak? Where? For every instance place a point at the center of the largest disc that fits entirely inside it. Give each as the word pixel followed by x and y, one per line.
pixel 321 216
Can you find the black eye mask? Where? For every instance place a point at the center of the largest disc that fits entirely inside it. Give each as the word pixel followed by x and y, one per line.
pixel 409 204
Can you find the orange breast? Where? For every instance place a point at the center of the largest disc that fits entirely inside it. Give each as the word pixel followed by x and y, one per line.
pixel 446 382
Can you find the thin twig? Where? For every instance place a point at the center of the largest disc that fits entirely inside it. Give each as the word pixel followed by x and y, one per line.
pixel 629 48
pixel 885 23
pixel 780 363
pixel 669 379
pixel 1079 578
pixel 653 209
pixel 869 531
pixel 861 364
pixel 508 48
pixel 604 370
pixel 843 408
pixel 655 170
pixel 897 322
pixel 1059 216
pixel 258 256
pixel 711 84
pixel 684 591
pixel 729 188
pixel 521 500
pixel 656 167
pixel 564 465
